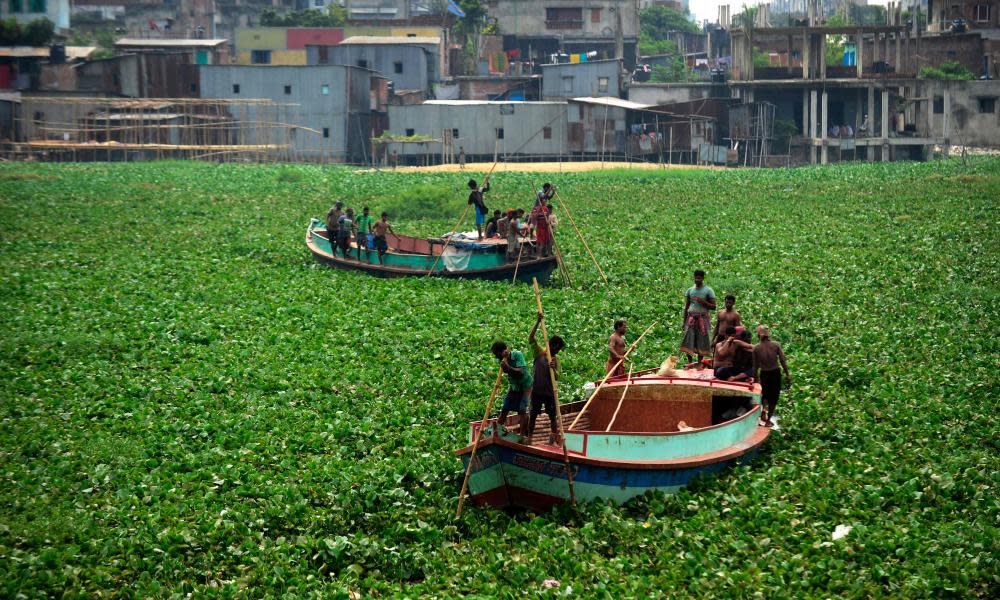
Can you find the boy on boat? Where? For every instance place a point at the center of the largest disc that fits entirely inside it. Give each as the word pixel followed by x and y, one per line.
pixel 346 231
pixel 514 227
pixel 542 394
pixel 518 383
pixel 698 301
pixel 333 224
pixel 476 199
pixel 726 318
pixel 724 358
pixel 380 228
pixel 364 227
pixel 767 355
pixel 615 366
pixel 493 225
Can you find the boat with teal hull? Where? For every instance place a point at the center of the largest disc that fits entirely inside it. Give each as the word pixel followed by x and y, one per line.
pixel 665 432
pixel 411 256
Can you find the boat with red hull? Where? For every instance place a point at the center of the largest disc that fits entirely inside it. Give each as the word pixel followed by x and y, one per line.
pixel 657 434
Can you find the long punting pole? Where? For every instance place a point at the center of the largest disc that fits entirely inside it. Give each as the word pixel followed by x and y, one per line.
pixel 520 249
pixel 585 245
pixel 620 401
pixel 608 374
pixel 555 392
pixel 563 270
pixel 475 443
pixel 459 224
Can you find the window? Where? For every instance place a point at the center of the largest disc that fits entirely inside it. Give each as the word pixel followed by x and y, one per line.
pixel 602 84
pixel 939 105
pixel 564 18
pixel 499 133
pixel 362 63
pixel 16 6
pixel 987 105
pixel 323 54
pixel 324 89
pixel 397 67
pixel 36 6
pixel 454 134
pixel 260 57
pixel 236 88
pixel 288 90
pixel 567 85
pixel 326 132
pixel 194 87
pixel 318 3
pixel 409 132
pixel 547 133
pixel 982 13
pixel 595 15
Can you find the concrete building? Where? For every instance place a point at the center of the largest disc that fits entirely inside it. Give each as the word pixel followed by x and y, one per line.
pixel 538 30
pixel 411 63
pixel 655 94
pixel 592 78
pixel 333 110
pixel 965 113
pixel 978 14
pixel 512 129
pixel 26 11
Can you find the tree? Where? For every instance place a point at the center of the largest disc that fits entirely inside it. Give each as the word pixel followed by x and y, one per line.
pixel 10 32
pixel 951 70
pixel 311 17
pixel 656 22
pixel 38 32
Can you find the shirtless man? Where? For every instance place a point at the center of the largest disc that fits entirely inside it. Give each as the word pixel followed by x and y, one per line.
pixel 379 229
pixel 766 357
pixel 616 350
pixel 728 317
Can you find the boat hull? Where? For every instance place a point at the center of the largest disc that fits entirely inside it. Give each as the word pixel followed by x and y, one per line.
pixel 525 271
pixel 506 476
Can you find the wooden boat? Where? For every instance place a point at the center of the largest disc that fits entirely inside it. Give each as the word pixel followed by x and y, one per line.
pixel 621 456
pixel 409 256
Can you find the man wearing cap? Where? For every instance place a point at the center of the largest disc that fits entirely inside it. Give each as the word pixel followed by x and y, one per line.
pixel 767 355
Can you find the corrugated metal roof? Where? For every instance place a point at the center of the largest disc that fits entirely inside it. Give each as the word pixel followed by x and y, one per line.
pixel 484 102
pixel 72 52
pixel 608 101
pixel 167 43
pixel 388 40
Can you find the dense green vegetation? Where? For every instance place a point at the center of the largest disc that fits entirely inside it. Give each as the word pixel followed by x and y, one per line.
pixel 191 405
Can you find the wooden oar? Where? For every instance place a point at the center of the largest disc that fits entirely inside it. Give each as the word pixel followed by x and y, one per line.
pixel 475 443
pixel 563 270
pixel 555 392
pixel 585 245
pixel 621 401
pixel 608 374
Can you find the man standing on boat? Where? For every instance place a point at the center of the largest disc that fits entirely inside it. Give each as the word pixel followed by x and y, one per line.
pixel 616 350
pixel 380 228
pixel 333 224
pixel 364 227
pixel 519 383
pixel 540 217
pixel 345 231
pixel 542 394
pixel 767 355
pixel 698 301
pixel 476 199
pixel 726 318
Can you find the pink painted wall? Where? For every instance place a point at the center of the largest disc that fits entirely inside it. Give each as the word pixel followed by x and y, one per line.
pixel 299 37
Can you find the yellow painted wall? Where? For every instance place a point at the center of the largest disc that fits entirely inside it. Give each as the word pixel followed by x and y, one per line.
pixel 261 38
pixel 278 57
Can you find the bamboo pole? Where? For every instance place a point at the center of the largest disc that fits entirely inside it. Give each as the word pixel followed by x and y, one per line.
pixel 555 392
pixel 608 374
pixel 517 264
pixel 475 443
pixel 620 401
pixel 585 245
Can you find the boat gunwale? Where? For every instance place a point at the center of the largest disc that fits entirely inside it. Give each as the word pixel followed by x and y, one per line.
pixel 734 451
